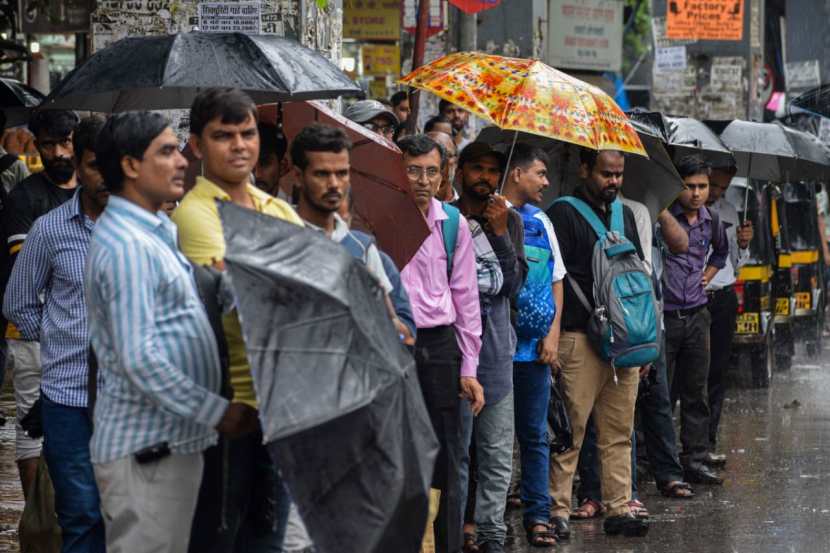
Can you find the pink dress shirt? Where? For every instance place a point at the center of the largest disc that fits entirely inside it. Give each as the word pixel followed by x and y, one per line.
pixel 436 302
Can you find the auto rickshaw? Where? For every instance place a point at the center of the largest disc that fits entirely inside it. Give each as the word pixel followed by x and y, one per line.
pixel 753 358
pixel 807 264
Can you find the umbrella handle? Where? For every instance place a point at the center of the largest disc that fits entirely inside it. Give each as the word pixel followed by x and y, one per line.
pixel 749 185
pixel 509 158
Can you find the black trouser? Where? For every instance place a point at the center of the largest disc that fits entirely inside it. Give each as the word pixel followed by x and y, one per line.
pixel 723 306
pixel 687 364
pixel 438 360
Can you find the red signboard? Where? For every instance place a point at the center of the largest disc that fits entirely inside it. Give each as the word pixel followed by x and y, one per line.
pixel 474 6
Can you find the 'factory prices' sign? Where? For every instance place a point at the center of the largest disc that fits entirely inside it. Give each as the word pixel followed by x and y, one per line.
pixel 705 19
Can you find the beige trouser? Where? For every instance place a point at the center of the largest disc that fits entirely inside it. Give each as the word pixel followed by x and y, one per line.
pixel 149 508
pixel 428 544
pixel 23 362
pixel 589 386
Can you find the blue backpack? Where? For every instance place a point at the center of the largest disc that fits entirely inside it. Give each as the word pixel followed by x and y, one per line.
pixel 534 304
pixel 449 228
pixel 624 321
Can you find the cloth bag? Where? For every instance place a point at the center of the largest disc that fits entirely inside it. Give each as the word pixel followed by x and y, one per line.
pixel 561 433
pixel 39 531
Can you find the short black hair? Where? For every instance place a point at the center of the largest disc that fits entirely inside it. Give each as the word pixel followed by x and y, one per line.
pixel 57 123
pixel 588 157
pixel 434 121
pixel 694 164
pixel 86 134
pixel 420 145
pixel 231 105
pixel 398 97
pixel 318 138
pixel 272 142
pixel 125 134
pixel 443 104
pixel 524 155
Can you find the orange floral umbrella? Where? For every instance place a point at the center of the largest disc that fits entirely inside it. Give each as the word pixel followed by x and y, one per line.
pixel 527 95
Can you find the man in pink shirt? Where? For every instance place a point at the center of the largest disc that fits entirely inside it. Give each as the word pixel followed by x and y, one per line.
pixel 444 297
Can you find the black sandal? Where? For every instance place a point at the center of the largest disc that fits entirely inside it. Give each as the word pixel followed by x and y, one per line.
pixel 540 538
pixel 470 545
pixel 674 490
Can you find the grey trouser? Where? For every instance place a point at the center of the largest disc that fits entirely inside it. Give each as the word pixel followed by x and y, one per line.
pixel 148 508
pixel 23 361
pixel 494 430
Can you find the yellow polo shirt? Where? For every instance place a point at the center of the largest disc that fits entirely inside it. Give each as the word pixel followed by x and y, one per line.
pixel 202 241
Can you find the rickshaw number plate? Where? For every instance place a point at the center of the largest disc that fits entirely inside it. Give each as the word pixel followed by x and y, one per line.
pixel 748 323
pixel 782 306
pixel 803 300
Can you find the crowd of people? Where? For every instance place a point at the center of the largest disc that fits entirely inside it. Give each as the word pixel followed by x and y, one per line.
pixel 124 349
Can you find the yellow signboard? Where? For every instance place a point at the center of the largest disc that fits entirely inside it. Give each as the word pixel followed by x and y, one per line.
pixel 803 300
pixel 782 306
pixel 372 19
pixel 748 323
pixel 381 59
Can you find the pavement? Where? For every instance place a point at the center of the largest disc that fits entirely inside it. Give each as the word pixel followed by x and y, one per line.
pixel 774 500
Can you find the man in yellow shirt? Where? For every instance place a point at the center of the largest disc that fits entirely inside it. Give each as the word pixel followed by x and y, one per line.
pixel 242 503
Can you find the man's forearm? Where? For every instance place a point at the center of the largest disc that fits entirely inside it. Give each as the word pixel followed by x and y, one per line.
pixel 675 237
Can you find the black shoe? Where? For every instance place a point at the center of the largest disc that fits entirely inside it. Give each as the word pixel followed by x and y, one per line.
pixel 491 547
pixel 701 474
pixel 715 460
pixel 560 527
pixel 627 525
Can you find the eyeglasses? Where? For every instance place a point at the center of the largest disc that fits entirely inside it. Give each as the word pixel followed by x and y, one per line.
pixel 416 173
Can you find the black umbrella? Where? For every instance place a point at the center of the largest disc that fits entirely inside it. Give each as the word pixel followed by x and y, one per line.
pixel 166 72
pixel 816 101
pixel 17 101
pixel 339 401
pixel 689 136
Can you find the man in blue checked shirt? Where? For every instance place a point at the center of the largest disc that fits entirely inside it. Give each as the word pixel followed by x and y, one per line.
pixel 51 265
pixel 158 404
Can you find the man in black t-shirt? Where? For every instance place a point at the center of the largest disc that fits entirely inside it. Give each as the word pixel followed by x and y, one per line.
pixel 32 197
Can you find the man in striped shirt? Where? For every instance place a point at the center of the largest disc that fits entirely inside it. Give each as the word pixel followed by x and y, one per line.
pixel 51 265
pixel 158 405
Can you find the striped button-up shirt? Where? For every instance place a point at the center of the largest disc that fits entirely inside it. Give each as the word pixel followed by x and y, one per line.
pixel 160 373
pixel 51 266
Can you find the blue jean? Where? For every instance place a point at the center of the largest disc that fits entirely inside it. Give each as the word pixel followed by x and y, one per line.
pixel 531 389
pixel 493 449
pixel 66 432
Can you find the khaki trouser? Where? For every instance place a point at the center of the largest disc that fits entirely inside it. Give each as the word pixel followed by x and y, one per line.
pixel 428 544
pixel 589 386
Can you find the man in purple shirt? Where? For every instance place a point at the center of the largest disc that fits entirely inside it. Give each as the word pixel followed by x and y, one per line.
pixel 687 320
pixel 445 305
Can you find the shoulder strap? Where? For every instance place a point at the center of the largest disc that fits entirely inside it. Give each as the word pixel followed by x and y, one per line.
pixel 715 227
pixel 587 213
pixel 617 222
pixel 6 162
pixel 579 293
pixel 449 228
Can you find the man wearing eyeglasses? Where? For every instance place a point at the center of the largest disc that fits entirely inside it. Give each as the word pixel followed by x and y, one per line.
pixel 374 116
pixel 443 289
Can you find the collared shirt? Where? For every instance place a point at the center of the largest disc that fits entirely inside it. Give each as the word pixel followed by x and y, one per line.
pixel 577 238
pixel 51 266
pixel 488 269
pixel 683 273
pixel 202 241
pixel 737 256
pixel 159 366
pixel 374 264
pixel 439 301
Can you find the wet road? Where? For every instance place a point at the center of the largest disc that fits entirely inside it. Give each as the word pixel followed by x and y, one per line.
pixel 775 498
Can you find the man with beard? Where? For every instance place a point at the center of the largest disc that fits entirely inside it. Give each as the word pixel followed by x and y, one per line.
pixel 458 118
pixel 500 230
pixel 320 155
pixel 590 383
pixel 31 198
pixel 242 503
pixel 51 266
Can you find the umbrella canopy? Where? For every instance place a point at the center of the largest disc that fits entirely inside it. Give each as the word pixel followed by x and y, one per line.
pixel 813 157
pixel 816 100
pixel 687 136
pixel 17 101
pixel 339 401
pixel 166 72
pixel 381 199
pixel 653 181
pixel 762 150
pixel 529 96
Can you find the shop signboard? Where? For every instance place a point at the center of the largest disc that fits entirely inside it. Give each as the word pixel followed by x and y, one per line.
pixel 705 19
pixel 585 34
pixel 55 16
pixel 372 19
